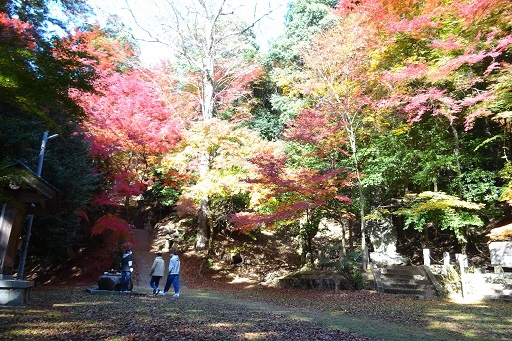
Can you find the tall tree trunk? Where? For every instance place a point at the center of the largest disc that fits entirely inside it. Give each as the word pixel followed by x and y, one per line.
pixel 309 244
pixel 202 228
pixel 207 108
pixel 350 129
pixel 363 223
pixel 351 235
pixel 202 234
pixel 343 247
pixel 456 152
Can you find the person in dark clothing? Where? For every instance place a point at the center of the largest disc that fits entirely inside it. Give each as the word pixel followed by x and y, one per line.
pixel 126 268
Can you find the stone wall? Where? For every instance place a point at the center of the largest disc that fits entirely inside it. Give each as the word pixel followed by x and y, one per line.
pixel 314 280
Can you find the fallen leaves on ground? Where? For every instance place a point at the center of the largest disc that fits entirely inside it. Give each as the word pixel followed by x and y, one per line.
pixel 238 313
pixel 62 313
pixel 214 307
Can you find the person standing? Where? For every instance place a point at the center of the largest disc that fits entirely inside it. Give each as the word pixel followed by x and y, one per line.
pixel 126 268
pixel 157 272
pixel 174 275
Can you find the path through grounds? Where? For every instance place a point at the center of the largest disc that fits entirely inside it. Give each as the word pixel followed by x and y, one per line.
pixel 204 315
pixel 143 256
pixel 219 311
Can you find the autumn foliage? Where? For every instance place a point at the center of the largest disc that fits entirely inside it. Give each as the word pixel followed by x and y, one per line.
pixel 381 71
pixel 286 194
pixel 115 234
pixel 16 32
pixel 130 123
pixel 114 224
pixel 469 53
pixel 106 54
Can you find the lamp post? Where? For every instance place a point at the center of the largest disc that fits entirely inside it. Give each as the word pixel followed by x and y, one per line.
pixel 26 239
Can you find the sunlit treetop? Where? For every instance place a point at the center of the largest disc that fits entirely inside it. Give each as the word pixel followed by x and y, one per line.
pixel 441 58
pixel 42 13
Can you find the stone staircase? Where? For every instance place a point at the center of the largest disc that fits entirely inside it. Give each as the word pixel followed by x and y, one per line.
pixel 407 281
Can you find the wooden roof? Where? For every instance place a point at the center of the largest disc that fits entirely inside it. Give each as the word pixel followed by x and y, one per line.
pixel 19 184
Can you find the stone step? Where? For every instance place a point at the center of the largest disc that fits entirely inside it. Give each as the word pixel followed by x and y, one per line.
pixel 499 297
pixel 403 272
pixel 403 279
pixel 411 292
pixel 407 281
pixel 400 268
pixel 481 282
pixel 488 290
pixel 500 286
pixel 407 285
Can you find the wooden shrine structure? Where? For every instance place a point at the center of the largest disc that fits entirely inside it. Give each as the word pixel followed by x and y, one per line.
pixel 22 192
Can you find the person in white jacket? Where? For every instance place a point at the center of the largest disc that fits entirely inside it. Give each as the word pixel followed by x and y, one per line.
pixel 157 272
pixel 174 275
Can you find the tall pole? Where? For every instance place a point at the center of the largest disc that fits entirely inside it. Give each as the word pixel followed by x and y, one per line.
pixel 26 239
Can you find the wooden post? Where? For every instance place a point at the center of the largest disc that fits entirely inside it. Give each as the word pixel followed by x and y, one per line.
pixel 426 257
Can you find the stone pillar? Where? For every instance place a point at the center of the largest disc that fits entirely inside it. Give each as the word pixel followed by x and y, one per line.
pixel 426 257
pixel 446 258
pixel 446 262
pixel 460 258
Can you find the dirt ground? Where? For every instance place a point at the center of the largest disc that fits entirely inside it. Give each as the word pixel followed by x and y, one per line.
pixel 246 296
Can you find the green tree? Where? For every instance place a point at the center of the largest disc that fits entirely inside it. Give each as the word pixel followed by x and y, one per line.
pixel 443 68
pixel 441 211
pixel 36 75
pixel 41 13
pixel 280 101
pixel 67 166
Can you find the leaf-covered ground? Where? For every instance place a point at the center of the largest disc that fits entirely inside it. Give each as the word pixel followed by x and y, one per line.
pixel 383 316
pixel 243 313
pixel 228 305
pixel 67 314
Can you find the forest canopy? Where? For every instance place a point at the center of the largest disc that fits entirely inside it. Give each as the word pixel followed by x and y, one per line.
pixel 359 111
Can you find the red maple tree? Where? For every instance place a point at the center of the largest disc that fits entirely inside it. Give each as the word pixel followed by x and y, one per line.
pixel 129 123
pixel 288 193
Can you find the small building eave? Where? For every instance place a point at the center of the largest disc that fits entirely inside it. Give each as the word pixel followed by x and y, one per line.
pixel 21 185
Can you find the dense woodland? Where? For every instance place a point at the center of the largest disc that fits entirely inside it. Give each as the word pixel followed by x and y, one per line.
pixel 361 110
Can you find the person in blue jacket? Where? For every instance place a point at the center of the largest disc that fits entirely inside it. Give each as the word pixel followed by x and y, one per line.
pixel 174 275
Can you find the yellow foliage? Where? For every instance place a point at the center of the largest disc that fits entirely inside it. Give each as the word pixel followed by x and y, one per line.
pixel 218 153
pixel 430 201
pixel 502 233
pixel 401 129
